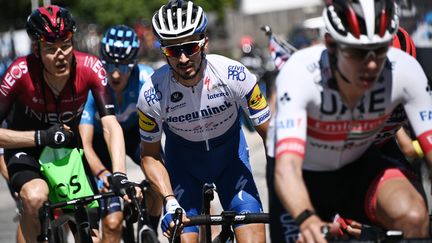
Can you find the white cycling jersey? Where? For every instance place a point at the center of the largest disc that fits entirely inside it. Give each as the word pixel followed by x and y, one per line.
pixel 313 122
pixel 204 111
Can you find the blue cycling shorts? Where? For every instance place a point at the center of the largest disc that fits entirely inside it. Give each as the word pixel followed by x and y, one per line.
pixel 226 165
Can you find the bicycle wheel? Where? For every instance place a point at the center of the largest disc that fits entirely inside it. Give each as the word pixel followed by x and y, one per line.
pixel 147 235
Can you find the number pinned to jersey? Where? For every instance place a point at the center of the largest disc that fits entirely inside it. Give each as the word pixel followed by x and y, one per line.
pixel 146 123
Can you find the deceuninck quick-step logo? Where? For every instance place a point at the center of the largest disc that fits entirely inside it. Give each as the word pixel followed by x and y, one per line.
pixel 203 113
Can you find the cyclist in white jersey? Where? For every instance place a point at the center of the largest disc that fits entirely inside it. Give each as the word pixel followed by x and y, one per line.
pixel 332 101
pixel 195 99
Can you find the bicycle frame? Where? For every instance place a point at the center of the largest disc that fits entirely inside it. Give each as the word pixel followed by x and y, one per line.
pixel 49 225
pixel 144 232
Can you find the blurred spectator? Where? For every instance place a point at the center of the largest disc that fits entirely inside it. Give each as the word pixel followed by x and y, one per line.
pixel 422 36
pixel 149 50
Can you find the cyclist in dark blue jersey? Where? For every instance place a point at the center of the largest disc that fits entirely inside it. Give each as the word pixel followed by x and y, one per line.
pixel 118 50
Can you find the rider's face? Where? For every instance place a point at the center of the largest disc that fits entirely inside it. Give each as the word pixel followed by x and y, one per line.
pixel 57 57
pixel 362 67
pixel 184 55
pixel 118 75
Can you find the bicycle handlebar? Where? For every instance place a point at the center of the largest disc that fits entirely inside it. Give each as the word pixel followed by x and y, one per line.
pixel 228 217
pixel 81 200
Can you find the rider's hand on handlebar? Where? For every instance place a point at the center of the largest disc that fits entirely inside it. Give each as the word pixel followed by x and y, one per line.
pixel 311 230
pixel 56 136
pixel 168 220
pixel 103 177
pixel 120 184
pixel 348 227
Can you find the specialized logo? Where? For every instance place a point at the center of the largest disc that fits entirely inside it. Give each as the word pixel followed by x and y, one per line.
pixel 152 95
pixel 236 73
pixel 176 96
pixel 147 123
pixel 207 83
pixel 256 100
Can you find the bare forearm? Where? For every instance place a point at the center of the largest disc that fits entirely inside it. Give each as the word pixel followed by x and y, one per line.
pixel 113 134
pixel 118 154
pixel 290 187
pixel 16 139
pixel 95 163
pixel 157 174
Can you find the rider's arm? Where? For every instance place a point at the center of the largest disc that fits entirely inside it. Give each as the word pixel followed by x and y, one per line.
pixel 3 168
pixel 289 184
pixel 86 129
pixel 112 130
pixel 86 132
pixel 418 102
pixel 16 139
pixel 253 101
pixel 153 168
pixel 113 134
pixel 294 94
pixel 405 143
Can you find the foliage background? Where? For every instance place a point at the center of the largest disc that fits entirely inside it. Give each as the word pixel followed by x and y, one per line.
pixel 13 13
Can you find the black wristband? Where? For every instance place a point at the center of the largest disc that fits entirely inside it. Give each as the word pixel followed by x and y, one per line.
pixel 165 199
pixel 303 216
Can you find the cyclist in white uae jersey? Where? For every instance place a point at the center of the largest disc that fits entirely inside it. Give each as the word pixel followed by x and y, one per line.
pixel 195 99
pixel 331 103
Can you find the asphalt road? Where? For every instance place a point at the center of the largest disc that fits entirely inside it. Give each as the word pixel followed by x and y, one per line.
pixel 257 157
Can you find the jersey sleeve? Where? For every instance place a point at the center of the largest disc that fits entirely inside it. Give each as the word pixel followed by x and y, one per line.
pixel 150 121
pixel 88 116
pixel 248 93
pixel 291 110
pixel 100 91
pixel 10 84
pixel 418 102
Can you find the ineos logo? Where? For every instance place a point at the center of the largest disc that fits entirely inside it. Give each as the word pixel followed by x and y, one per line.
pixel 59 138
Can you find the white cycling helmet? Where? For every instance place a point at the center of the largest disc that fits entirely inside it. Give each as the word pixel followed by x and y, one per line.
pixel 361 22
pixel 179 19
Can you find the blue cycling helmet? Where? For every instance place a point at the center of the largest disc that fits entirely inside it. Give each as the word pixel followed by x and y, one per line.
pixel 119 44
pixel 179 19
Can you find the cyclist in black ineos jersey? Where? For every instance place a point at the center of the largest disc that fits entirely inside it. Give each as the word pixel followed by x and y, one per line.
pixel 43 95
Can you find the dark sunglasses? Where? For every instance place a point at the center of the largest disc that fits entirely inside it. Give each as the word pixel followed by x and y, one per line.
pixel 363 53
pixel 123 68
pixel 188 48
pixel 53 37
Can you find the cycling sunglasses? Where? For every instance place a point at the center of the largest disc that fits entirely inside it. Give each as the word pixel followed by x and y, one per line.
pixel 364 53
pixel 53 37
pixel 188 48
pixel 123 68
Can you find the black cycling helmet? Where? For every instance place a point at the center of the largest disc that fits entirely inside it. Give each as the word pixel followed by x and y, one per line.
pixel 50 23
pixel 179 19
pixel 119 44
